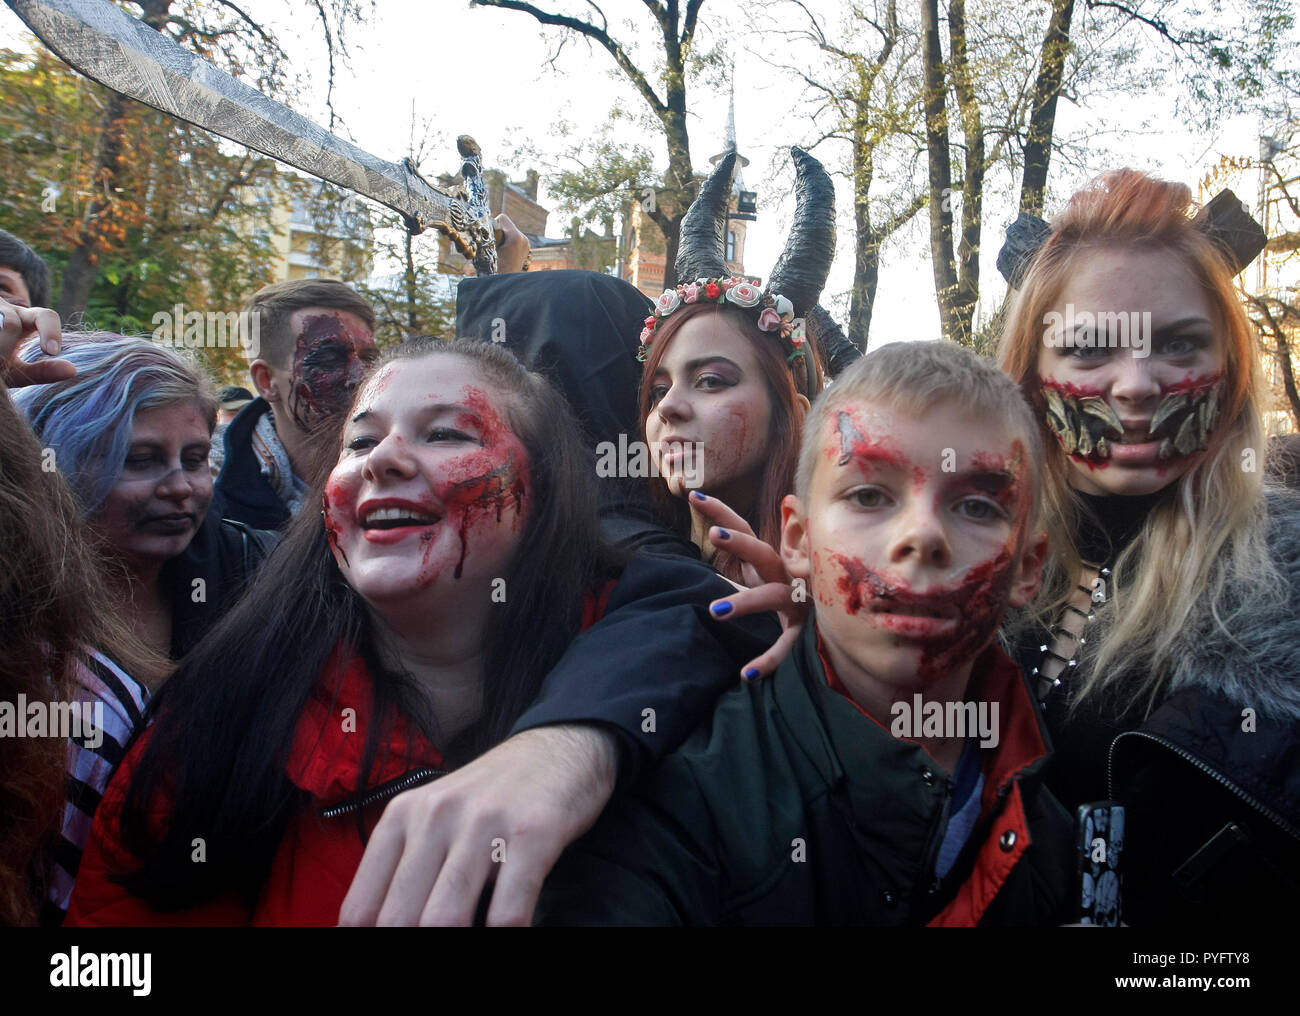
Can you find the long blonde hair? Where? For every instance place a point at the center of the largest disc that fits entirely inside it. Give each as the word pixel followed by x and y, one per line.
pixel 1206 541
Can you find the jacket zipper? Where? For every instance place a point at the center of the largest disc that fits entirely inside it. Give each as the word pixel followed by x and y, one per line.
pixel 415 778
pixel 1255 803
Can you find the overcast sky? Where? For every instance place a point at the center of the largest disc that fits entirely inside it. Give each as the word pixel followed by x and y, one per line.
pixel 484 72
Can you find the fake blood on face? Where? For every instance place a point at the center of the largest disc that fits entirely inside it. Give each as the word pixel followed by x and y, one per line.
pixel 482 483
pixel 949 623
pixel 1193 385
pixel 328 362
pixel 975 604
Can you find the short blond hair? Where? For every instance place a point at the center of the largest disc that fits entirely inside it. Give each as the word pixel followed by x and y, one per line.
pixel 914 377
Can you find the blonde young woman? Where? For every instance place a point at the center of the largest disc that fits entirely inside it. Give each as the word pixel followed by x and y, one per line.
pixel 1167 634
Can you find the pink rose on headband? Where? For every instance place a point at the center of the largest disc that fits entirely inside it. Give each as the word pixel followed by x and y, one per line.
pixel 769 320
pixel 690 292
pixel 668 302
pixel 744 294
pixel 646 336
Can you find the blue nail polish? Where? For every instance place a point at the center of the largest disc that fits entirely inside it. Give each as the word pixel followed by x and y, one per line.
pixel 698 496
pixel 723 534
pixel 751 674
pixel 721 609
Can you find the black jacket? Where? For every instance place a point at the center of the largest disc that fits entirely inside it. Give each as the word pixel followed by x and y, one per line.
pixel 204 579
pixel 790 806
pixel 658 610
pixel 1211 777
pixel 242 493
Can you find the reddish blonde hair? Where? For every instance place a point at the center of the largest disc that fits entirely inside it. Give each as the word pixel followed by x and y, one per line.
pixel 1173 578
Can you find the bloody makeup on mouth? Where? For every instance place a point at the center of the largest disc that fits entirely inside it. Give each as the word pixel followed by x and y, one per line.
pixel 431 487
pixel 1094 435
pixel 330 356
pixel 1133 420
pixel 913 540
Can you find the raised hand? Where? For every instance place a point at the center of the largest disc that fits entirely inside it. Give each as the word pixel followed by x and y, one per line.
pixel 771 587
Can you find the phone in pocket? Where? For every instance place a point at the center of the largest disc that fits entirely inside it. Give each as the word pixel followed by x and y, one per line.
pixel 1099 842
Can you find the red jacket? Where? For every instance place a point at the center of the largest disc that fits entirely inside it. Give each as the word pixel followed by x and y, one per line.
pixel 317 857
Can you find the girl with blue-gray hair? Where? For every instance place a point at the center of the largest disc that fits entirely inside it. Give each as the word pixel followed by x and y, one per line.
pixel 130 433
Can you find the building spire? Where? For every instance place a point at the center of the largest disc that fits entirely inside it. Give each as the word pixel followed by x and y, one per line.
pixel 729 144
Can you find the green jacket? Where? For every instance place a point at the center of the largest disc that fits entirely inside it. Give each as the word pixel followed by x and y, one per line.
pixel 789 806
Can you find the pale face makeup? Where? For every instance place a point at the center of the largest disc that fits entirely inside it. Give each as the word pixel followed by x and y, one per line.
pixel 913 543
pixel 163 492
pixel 709 393
pixel 430 494
pixel 1133 424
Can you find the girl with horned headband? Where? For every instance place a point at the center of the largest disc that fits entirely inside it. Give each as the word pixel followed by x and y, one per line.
pixel 1167 634
pixel 729 367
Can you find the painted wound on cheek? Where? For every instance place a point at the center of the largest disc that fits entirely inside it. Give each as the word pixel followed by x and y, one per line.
pixel 336 499
pixel 482 484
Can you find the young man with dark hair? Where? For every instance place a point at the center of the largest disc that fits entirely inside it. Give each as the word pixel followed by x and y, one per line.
pixel 314 338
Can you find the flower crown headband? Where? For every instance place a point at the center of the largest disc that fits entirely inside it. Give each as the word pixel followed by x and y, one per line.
pixel 775 312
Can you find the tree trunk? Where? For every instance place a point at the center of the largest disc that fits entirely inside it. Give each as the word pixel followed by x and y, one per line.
pixel 940 172
pixel 1042 120
pixel 972 205
pixel 79 275
pixel 866 244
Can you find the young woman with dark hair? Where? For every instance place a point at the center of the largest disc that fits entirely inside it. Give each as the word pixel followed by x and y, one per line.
pixel 400 632
pixel 729 370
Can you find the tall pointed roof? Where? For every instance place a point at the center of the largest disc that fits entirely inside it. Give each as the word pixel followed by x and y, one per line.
pixel 729 146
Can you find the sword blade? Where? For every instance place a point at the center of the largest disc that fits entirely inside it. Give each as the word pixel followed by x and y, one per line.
pixel 99 40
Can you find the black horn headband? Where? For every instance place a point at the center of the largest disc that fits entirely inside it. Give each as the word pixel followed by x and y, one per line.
pixel 1224 220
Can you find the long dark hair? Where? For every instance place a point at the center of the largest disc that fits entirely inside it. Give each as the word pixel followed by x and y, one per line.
pixel 785 379
pixel 225 722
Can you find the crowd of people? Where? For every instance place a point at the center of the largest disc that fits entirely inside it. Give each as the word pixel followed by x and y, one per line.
pixel 910 638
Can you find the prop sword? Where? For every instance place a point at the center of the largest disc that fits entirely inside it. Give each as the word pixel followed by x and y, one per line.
pixel 107 45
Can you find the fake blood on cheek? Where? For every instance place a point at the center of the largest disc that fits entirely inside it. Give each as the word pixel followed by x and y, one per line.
pixel 481 484
pixel 1193 385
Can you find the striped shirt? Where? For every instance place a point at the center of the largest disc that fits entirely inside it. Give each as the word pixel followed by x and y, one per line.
pixel 99 679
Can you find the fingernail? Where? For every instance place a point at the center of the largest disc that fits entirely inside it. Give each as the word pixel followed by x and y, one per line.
pixel 751 674
pixel 698 496
pixel 721 609
pixel 723 534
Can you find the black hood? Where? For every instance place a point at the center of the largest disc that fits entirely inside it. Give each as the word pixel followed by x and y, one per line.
pixel 580 329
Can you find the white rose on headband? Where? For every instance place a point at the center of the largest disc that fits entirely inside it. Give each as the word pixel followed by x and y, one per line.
pixel 783 306
pixel 744 294
pixel 668 302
